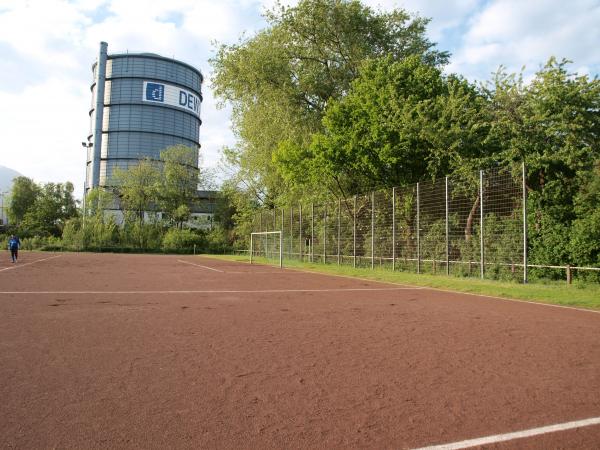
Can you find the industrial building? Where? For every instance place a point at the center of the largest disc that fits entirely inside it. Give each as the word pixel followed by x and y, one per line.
pixel 141 104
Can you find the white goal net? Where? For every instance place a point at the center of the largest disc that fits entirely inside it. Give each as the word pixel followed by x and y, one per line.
pixel 267 245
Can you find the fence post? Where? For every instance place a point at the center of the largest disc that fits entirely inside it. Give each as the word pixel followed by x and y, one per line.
pixel 393 228
pixel 569 278
pixel 325 233
pixel 300 239
pixel 260 221
pixel 251 248
pixel 523 174
pixel 481 228
pixel 291 231
pixel 418 229
pixel 372 230
pixel 339 228
pixel 447 233
pixel 282 227
pixel 312 232
pixel 354 236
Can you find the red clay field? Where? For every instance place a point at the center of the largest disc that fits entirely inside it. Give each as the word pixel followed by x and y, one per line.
pixel 103 351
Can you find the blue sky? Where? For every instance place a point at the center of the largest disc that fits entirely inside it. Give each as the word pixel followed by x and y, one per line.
pixel 47 48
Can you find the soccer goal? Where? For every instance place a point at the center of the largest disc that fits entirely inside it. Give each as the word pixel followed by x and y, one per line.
pixel 267 244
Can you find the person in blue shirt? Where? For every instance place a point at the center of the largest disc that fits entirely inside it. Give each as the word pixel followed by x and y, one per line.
pixel 13 245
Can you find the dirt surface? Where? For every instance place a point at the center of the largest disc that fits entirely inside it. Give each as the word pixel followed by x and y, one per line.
pixel 130 351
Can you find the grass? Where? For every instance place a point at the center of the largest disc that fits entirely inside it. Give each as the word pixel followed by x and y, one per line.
pixel 583 295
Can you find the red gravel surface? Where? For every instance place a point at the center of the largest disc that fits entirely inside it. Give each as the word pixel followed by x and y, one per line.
pixel 131 351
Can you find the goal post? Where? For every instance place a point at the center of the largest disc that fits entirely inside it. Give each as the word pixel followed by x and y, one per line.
pixel 265 243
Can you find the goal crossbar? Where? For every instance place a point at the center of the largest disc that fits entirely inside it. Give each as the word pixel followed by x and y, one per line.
pixel 267 233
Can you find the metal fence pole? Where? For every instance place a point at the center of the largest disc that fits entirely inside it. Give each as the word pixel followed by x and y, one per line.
pixel 447 233
pixel 300 239
pixel 325 233
pixel 339 229
pixel 291 231
pixel 372 230
pixel 481 228
pixel 282 228
pixel 523 174
pixel 393 228
pixel 418 229
pixel 312 232
pixel 354 236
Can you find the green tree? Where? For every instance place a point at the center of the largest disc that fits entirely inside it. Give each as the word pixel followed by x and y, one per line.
pixel 585 234
pixel 280 81
pixel 179 182
pixel 53 206
pixel 400 122
pixel 138 189
pixel 553 125
pixel 22 198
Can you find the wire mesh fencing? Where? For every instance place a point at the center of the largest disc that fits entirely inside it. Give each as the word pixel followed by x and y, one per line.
pixel 471 226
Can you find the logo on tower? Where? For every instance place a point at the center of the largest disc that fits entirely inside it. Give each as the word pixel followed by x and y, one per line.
pixel 170 95
pixel 155 92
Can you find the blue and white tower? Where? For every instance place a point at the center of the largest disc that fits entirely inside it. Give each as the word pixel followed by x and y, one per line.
pixel 141 104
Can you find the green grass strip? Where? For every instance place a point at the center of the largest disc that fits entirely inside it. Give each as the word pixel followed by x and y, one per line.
pixel 583 295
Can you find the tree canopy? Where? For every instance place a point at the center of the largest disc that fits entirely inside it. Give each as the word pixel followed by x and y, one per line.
pixel 281 81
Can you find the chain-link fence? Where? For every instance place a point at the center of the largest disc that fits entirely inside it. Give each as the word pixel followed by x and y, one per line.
pixel 467 227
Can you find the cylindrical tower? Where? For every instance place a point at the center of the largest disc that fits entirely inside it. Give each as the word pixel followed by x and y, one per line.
pixel 141 104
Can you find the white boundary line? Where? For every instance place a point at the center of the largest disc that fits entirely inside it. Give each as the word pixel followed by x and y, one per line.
pixel 214 291
pixel 516 435
pixel 508 299
pixel 199 265
pixel 16 266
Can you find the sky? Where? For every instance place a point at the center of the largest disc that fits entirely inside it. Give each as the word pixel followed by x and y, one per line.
pixel 47 48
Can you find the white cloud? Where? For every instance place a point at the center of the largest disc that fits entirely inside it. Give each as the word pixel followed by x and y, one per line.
pixel 514 33
pixel 47 48
pixel 444 15
pixel 44 124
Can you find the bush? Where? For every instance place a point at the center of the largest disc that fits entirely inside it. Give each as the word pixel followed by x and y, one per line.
pixel 217 241
pixel 182 241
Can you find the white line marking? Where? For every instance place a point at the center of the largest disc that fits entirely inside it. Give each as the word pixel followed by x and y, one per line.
pixel 516 435
pixel 257 291
pixel 474 294
pixel 198 265
pixel 16 266
pixel 248 272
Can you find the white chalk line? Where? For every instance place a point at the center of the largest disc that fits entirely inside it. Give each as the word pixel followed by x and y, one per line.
pixel 17 265
pixel 215 291
pixel 515 435
pixel 199 265
pixel 472 294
